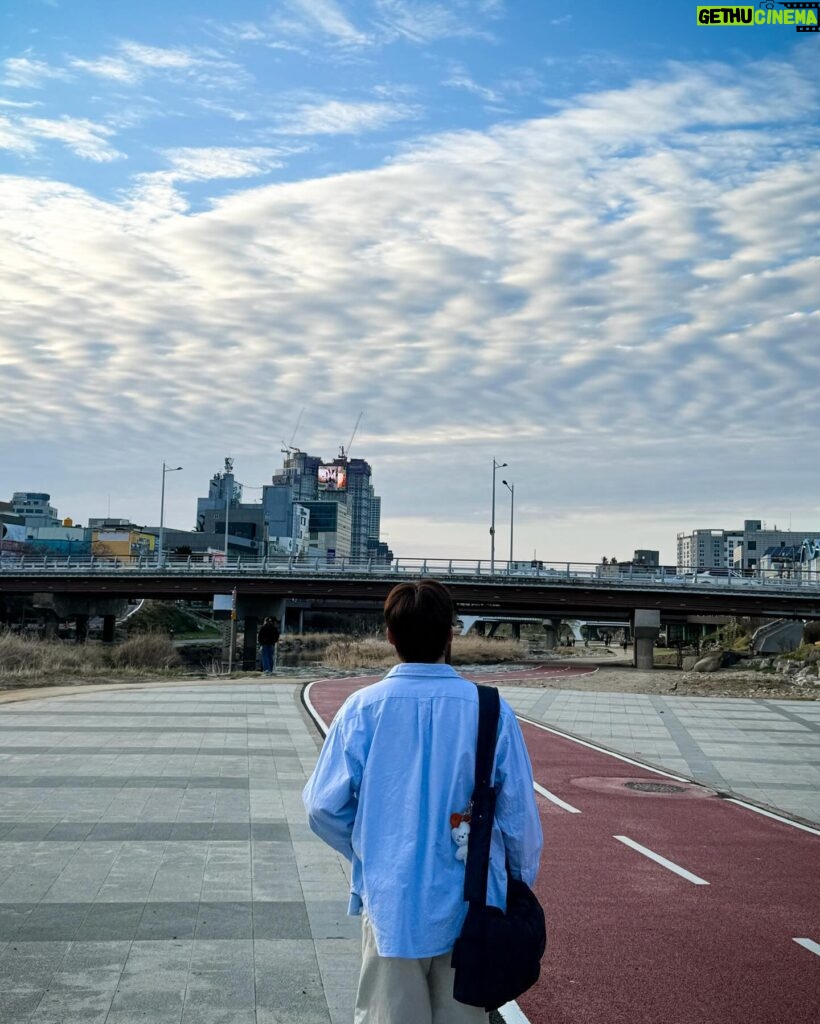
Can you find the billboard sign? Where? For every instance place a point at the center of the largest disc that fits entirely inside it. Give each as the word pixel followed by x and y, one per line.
pixel 332 478
pixel 13 532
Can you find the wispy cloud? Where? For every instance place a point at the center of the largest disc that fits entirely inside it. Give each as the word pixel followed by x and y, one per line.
pixel 30 73
pixel 132 62
pixel 208 163
pixel 335 117
pixel 423 22
pixel 84 138
pixel 328 16
pixel 460 79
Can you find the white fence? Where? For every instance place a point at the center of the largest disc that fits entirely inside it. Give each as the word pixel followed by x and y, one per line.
pixel 537 573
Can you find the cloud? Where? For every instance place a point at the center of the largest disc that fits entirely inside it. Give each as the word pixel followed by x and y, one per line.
pixel 327 15
pixel 421 22
pixel 84 138
pixel 133 62
pixel 460 79
pixel 335 117
pixel 29 73
pixel 618 299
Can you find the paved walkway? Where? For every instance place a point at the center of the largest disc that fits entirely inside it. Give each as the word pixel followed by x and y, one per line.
pixel 155 865
pixel 766 751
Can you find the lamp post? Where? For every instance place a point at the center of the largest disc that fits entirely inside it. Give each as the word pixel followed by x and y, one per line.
pixel 161 552
pixel 228 480
pixel 511 489
pixel 496 466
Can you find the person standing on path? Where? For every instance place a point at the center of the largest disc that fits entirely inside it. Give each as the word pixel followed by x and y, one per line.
pixel 391 792
pixel 268 639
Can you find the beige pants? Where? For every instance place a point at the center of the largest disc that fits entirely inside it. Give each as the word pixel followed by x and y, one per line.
pixel 395 990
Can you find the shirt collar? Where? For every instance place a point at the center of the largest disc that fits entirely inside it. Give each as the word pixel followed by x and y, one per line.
pixel 421 668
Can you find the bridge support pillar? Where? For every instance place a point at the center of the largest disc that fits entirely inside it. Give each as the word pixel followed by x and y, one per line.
pixel 80 628
pixel 551 629
pixel 516 630
pixel 493 628
pixel 480 628
pixel 251 626
pixel 108 628
pixel 50 627
pixel 646 626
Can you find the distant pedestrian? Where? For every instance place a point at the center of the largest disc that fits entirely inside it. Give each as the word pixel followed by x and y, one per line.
pixel 268 639
pixel 624 644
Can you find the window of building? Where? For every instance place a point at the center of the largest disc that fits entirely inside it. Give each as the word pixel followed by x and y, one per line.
pixel 752 545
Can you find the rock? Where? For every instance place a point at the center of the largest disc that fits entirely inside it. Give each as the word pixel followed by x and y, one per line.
pixel 711 663
pixel 689 662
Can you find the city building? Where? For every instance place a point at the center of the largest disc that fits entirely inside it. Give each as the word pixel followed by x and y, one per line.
pixel 128 544
pixel 67 540
pixel 310 507
pixel 34 508
pixel 330 529
pixel 741 550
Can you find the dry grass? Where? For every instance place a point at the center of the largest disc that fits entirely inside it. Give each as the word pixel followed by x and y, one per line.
pixel 375 652
pixel 26 658
pixel 145 650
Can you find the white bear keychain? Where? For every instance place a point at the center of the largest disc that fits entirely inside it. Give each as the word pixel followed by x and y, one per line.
pixel 460 831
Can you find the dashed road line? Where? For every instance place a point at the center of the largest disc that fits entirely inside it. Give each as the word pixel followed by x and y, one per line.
pixel 670 865
pixel 513 1014
pixel 555 799
pixel 810 945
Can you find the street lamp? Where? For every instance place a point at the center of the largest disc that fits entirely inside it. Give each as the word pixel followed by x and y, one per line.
pixel 496 466
pixel 161 553
pixel 511 489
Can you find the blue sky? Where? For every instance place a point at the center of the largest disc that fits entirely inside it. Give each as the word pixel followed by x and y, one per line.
pixel 579 238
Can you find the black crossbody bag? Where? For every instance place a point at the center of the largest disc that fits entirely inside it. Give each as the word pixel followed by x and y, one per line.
pixel 498 955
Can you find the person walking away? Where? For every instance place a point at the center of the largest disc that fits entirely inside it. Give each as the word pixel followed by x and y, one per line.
pixel 268 639
pixel 391 792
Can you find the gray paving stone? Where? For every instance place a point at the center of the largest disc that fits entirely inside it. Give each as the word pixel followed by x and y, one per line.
pixel 148 869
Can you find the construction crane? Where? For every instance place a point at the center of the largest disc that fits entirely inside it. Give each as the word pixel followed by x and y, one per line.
pixel 286 449
pixel 346 454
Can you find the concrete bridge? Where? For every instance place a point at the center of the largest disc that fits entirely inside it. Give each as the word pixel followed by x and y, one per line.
pixel 553 595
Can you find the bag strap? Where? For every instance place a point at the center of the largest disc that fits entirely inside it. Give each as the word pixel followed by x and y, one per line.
pixel 483 810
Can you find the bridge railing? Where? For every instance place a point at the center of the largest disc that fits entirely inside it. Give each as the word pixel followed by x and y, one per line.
pixel 502 572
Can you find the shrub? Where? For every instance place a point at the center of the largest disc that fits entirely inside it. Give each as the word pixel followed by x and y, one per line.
pixel 25 657
pixel 375 652
pixel 145 650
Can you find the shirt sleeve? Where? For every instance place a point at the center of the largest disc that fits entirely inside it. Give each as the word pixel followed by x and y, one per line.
pixel 331 794
pixel 516 811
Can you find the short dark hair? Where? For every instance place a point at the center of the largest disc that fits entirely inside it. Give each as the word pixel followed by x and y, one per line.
pixel 419 616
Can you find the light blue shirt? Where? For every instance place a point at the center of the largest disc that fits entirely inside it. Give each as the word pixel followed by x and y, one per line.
pixel 398 760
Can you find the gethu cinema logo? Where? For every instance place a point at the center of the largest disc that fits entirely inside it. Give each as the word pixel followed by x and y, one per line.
pixel 804 16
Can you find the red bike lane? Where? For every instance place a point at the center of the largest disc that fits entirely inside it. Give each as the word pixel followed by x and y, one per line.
pixel 633 940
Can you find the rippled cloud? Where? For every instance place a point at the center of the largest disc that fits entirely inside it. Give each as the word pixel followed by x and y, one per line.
pixel 618 299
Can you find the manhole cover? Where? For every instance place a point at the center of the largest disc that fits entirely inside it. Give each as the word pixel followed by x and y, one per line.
pixel 654 787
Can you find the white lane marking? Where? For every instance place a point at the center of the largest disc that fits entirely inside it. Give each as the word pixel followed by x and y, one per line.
pixel 669 775
pixel 314 714
pixel 602 750
pixel 662 860
pixel 770 814
pixel 555 799
pixel 512 1014
pixel 810 945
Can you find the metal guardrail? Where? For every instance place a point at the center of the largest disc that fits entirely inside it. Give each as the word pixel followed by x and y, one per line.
pixel 563 573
